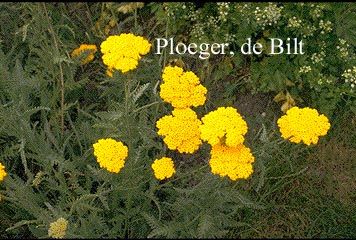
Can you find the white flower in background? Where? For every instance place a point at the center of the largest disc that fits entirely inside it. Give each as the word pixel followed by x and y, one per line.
pixel 223 10
pixel 350 77
pixel 325 27
pixel 268 15
pixel 304 69
pixel 294 22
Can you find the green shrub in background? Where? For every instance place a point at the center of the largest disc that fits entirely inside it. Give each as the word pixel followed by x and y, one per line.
pixel 54 106
pixel 317 78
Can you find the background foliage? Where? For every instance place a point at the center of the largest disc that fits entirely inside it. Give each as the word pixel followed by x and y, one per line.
pixel 52 109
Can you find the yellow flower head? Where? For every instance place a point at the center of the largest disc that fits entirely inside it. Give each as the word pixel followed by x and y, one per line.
pixel 91 49
pixel 58 228
pixel 224 125
pixel 122 52
pixel 234 162
pixel 163 168
pixel 2 172
pixel 110 154
pixel 180 131
pixel 181 89
pixel 303 124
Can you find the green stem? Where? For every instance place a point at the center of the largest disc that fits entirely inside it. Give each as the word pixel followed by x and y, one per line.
pixel 272 143
pixel 127 109
pixel 290 175
pixel 61 75
pixel 21 223
pixel 147 105
pixel 127 96
pixel 24 160
pixel 135 19
pixel 164 55
pixel 184 175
